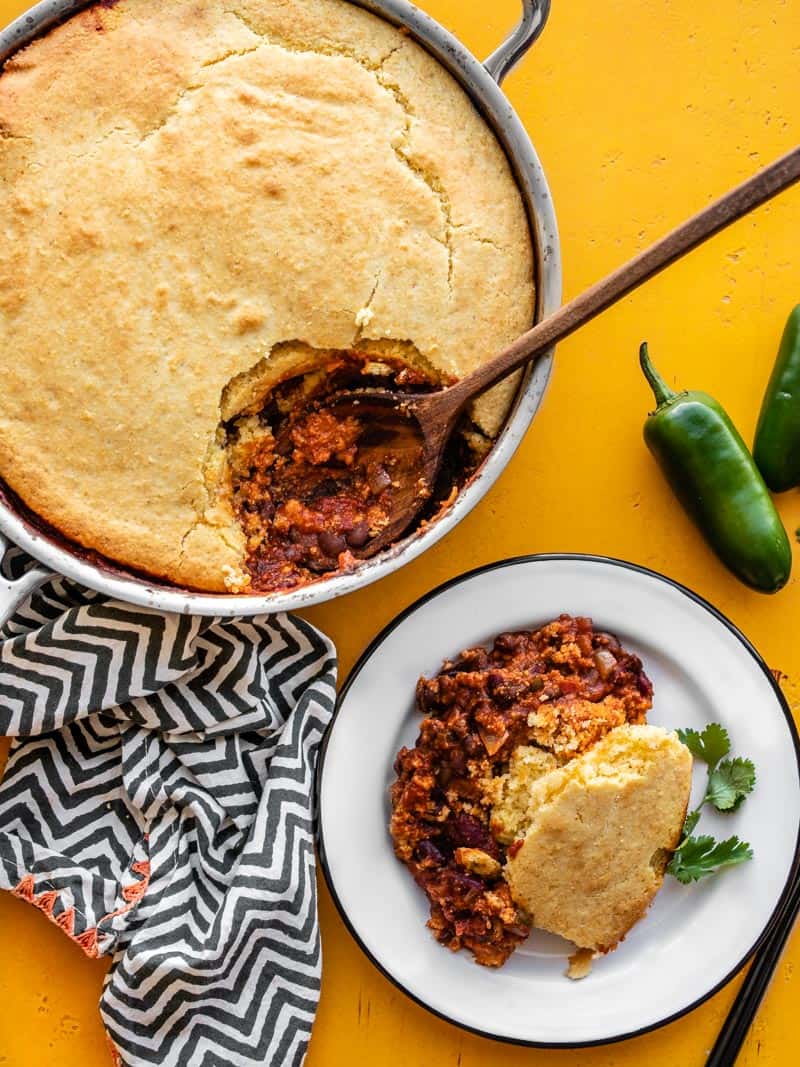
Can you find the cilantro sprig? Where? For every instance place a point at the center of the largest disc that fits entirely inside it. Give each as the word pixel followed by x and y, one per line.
pixel 729 782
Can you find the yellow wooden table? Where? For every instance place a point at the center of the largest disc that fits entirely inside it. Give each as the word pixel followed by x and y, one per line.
pixel 641 112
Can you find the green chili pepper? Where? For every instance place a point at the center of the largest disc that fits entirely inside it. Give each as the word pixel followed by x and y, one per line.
pixel 713 475
pixel 776 449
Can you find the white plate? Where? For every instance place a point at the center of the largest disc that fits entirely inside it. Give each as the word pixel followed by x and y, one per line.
pixel 694 937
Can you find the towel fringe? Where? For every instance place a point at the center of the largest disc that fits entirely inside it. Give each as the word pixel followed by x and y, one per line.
pixel 65 920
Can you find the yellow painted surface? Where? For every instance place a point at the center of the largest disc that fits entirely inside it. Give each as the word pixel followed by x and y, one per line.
pixel 641 113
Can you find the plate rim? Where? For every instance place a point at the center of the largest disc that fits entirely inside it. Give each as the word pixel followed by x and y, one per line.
pixel 393 624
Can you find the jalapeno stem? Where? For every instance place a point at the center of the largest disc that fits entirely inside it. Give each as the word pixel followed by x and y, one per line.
pixel 662 391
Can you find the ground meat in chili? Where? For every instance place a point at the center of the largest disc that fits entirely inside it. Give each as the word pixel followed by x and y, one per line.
pixel 305 483
pixel 561 687
pixel 304 495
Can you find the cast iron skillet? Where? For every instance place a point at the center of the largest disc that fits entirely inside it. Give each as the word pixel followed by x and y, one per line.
pixel 482 82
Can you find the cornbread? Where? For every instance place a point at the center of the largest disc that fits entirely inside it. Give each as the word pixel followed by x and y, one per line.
pixel 510 792
pixel 203 199
pixel 532 701
pixel 580 964
pixel 595 835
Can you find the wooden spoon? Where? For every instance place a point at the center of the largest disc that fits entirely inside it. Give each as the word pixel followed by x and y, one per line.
pixel 415 429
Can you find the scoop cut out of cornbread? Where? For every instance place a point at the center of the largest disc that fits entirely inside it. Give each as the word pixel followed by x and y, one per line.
pixel 597 834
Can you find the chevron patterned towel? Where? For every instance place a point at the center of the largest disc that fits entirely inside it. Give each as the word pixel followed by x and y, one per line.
pixel 157 806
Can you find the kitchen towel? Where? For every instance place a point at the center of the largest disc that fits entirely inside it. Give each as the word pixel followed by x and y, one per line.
pixel 157 805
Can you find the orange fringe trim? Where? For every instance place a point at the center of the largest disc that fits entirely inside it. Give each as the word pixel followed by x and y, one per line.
pixel 132 894
pixel 45 902
pixel 87 941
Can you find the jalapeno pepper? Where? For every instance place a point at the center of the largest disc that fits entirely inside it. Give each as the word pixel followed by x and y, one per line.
pixel 713 475
pixel 776 449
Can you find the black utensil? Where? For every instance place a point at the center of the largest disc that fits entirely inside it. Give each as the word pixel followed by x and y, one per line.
pixel 744 1008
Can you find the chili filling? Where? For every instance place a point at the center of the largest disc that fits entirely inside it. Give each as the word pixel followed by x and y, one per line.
pixel 306 487
pixel 561 688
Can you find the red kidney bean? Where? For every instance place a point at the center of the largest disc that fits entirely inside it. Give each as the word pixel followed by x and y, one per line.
pixel 467 883
pixel 644 684
pixel 508 644
pixel 359 535
pixel 463 829
pixel 331 544
pixel 428 855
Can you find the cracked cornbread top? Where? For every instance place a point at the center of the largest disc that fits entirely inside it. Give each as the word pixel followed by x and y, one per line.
pixel 201 199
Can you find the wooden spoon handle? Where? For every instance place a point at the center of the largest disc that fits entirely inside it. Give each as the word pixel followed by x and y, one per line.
pixel 738 202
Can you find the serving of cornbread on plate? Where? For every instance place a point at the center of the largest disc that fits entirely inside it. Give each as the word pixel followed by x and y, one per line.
pixel 203 204
pixel 591 839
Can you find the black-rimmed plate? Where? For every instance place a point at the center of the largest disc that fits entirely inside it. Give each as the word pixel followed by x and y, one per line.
pixel 695 937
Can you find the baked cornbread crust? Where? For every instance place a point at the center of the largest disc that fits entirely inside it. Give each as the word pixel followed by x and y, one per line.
pixel 198 200
pixel 595 835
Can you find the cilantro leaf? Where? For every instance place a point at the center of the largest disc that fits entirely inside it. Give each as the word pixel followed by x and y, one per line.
pixel 700 856
pixel 692 819
pixel 710 745
pixel 730 783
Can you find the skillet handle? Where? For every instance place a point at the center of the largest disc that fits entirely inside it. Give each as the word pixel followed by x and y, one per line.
pixel 511 51
pixel 14 590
